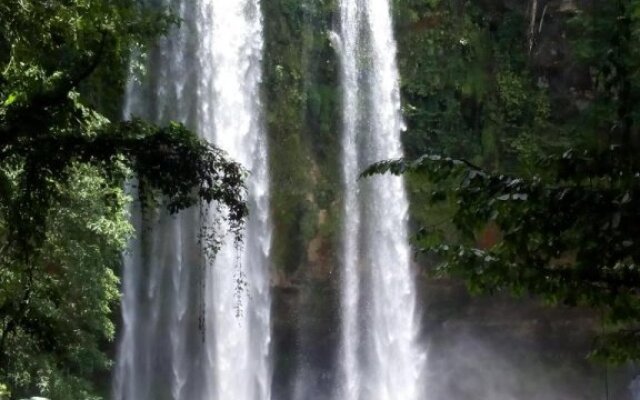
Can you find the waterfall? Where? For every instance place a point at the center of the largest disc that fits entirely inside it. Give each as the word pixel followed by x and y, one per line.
pixel 194 329
pixel 381 356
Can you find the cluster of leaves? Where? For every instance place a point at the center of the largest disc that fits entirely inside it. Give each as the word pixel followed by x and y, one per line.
pixel 571 239
pixel 55 305
pixel 554 210
pixel 63 167
pixel 4 392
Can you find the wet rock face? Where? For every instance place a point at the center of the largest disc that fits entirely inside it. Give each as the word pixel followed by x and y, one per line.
pixel 569 84
pixel 551 56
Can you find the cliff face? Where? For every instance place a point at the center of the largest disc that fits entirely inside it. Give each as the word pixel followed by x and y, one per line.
pixel 476 76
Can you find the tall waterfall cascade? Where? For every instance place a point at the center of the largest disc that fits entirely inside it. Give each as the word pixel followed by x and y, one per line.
pixel 381 358
pixel 190 332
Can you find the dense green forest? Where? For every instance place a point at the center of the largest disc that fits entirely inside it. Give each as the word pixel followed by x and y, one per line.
pixel 521 141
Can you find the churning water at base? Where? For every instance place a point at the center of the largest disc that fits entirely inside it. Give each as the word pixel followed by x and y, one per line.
pixel 381 357
pixel 191 331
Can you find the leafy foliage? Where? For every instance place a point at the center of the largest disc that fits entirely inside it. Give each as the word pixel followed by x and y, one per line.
pixel 53 343
pixel 63 166
pixel 569 238
pixel 552 210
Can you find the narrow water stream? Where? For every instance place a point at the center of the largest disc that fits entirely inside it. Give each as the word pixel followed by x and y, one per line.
pixel 381 357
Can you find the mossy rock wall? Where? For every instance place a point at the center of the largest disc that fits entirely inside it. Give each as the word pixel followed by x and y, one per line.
pixel 303 117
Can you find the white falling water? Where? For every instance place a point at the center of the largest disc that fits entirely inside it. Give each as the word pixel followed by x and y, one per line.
pixel 188 333
pixel 381 356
